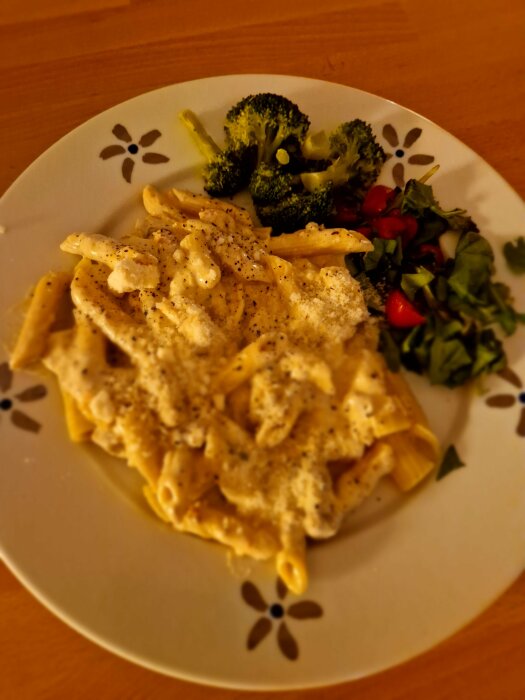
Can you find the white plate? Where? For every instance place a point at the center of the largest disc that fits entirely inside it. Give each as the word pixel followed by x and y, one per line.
pixel 404 574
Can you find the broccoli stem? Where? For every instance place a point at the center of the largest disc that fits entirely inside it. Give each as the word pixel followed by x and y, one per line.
pixel 316 146
pixel 337 173
pixel 204 141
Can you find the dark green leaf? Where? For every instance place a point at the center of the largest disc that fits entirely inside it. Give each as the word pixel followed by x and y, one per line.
pixel 506 315
pixel 447 356
pixel 451 329
pixel 422 355
pixel 488 354
pixel 514 253
pixel 441 287
pixel 397 253
pixel 412 339
pixel 450 462
pixel 419 199
pixel 382 247
pixel 430 229
pixel 472 266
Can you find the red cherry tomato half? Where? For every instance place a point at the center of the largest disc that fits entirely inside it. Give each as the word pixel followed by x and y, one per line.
pixel 376 200
pixel 389 226
pixel 400 312
pixel 411 226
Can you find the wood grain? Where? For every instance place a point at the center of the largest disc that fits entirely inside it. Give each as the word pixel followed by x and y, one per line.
pixel 461 64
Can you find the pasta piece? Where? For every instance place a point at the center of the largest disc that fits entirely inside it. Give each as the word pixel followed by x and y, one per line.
pixel 238 403
pixel 131 269
pixel 104 250
pixel 357 483
pixel 151 498
pixel 227 303
pixel 291 568
pixel 162 205
pixel 274 407
pixel 388 416
pixel 89 343
pixel 314 240
pixel 249 360
pixel 241 252
pixel 195 203
pixel 397 385
pixel 200 262
pixel 291 559
pixel 142 443
pixel 186 476
pixel 213 518
pixel 417 449
pixel 32 340
pixel 417 453
pixel 78 426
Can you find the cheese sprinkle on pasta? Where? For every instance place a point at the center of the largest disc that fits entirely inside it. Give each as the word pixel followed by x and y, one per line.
pixel 238 373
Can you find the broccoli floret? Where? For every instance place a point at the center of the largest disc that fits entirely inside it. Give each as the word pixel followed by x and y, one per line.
pixel 296 210
pixel 267 121
pixel 226 171
pixel 356 158
pixel 270 183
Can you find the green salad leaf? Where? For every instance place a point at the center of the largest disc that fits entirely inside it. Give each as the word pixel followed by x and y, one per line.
pixel 463 306
pixel 382 247
pixel 411 283
pixel 450 462
pixel 473 266
pixel 446 357
pixel 418 199
pixel 514 253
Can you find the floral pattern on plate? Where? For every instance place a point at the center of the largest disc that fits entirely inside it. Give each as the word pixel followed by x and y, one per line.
pixel 8 400
pixel 132 148
pixel 398 170
pixel 275 612
pixel 509 400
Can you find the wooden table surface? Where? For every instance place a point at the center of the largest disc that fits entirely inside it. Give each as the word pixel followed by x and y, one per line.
pixel 459 62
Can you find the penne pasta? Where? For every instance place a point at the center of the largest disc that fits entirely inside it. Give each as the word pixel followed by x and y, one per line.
pixel 249 360
pixel 314 240
pixel 78 426
pixel 417 452
pixel 237 373
pixel 32 339
pixel 291 568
